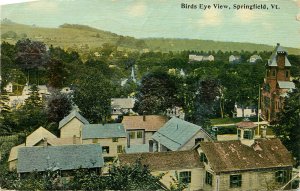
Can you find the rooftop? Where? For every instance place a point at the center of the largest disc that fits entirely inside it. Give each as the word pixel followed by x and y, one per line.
pixel 67 157
pixel 73 114
pixel 286 85
pixel 126 103
pixel 151 122
pixel 177 132
pixel 273 61
pixel 162 161
pixel 109 130
pixel 225 156
pixel 38 135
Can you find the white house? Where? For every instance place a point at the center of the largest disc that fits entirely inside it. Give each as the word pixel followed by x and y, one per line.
pixel 254 58
pixel 234 59
pixel 9 87
pixel 246 111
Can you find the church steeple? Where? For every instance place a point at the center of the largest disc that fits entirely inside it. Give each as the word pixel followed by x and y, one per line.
pixel 132 76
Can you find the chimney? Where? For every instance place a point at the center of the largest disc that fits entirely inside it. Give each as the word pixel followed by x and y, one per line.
pixel 144 116
pixel 74 139
pixel 45 144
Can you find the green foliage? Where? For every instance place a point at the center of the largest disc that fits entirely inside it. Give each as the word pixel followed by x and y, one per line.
pixel 59 105
pixel 56 73
pixel 287 126
pixel 176 184
pixel 9 34
pixel 157 92
pixel 93 95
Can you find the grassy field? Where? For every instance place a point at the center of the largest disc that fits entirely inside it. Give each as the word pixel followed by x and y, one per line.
pixel 79 36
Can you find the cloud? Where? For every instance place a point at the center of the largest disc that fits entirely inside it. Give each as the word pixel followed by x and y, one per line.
pixel 246 15
pixel 43 6
pixel 211 18
pixel 136 10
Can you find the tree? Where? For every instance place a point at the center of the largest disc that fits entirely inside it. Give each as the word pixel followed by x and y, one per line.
pixel 34 100
pixel 59 105
pixel 31 54
pixel 56 73
pixel 287 127
pixel 4 103
pixel 93 93
pixel 157 93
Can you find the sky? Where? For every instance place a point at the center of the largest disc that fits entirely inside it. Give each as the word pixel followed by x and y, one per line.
pixel 166 18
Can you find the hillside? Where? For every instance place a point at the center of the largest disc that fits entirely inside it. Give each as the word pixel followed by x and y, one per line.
pixel 79 36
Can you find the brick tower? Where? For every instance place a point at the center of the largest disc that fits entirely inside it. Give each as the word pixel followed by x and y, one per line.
pixel 276 84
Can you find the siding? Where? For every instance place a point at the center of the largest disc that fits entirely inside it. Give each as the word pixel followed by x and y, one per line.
pixel 72 128
pixel 108 142
pixel 191 142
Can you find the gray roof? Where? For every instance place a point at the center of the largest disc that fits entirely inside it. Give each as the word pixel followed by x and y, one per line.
pixel 143 148
pixel 286 85
pixel 176 132
pixel 67 157
pixel 272 61
pixel 122 103
pixel 93 131
pixel 68 118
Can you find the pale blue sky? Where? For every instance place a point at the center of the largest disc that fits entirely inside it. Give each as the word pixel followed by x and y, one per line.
pixel 166 18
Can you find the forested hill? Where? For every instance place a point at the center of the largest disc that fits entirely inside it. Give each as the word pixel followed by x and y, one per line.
pixel 81 36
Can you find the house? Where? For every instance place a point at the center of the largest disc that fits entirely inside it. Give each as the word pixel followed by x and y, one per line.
pixel 185 164
pixel 193 57
pixel 65 158
pixel 233 165
pixel 175 112
pixel 43 90
pixel 200 58
pixel 40 137
pixel 121 106
pixel 244 111
pixel 70 126
pixel 208 58
pixel 140 128
pixel 176 135
pixel 277 83
pixel 255 58
pixel 234 59
pixel 112 137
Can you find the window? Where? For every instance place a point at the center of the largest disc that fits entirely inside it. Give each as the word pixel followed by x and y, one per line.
pixel 95 140
pixel 139 134
pixel 115 139
pixel 248 134
pixel 203 158
pixel 198 140
pixel 105 149
pixel 239 133
pixel 185 177
pixel 208 178
pixel 119 149
pixel 132 135
pixel 235 181
pixel 273 72
pixel 287 74
pixel 282 176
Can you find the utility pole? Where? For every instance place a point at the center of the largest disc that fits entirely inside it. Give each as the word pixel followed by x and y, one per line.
pixel 258 108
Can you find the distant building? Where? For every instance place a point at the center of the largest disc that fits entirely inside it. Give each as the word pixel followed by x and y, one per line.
pixel 277 83
pixel 200 58
pixel 121 106
pixel 234 59
pixel 9 88
pixel 255 58
pixel 177 135
pixel 175 112
pixel 246 111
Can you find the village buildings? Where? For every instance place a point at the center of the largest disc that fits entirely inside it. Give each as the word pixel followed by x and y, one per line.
pixel 276 84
